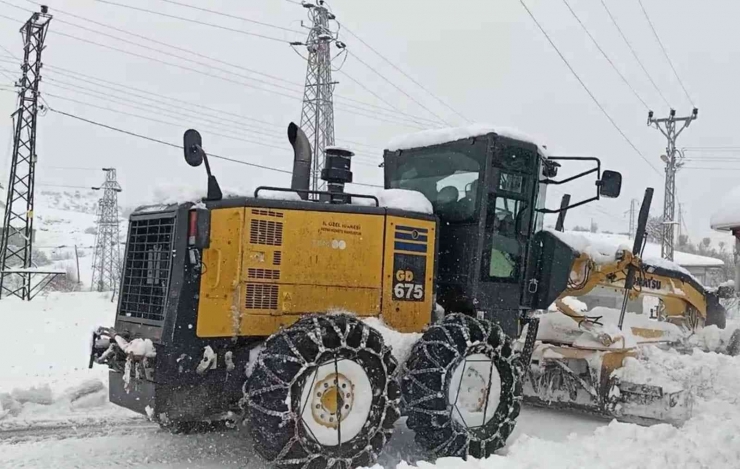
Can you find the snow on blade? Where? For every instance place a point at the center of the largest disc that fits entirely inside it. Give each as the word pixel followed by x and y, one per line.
pixel 727 216
pixel 602 252
pixel 427 138
pixel 603 248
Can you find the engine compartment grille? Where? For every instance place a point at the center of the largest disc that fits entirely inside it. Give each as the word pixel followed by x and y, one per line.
pixel 147 268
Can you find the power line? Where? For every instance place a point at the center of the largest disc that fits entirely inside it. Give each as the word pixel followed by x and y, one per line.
pixel 167 100
pixel 717 168
pixel 593 39
pixel 207 57
pixel 146 107
pixel 665 53
pixel 158 121
pixel 202 23
pixel 398 120
pixel 248 20
pixel 405 74
pixel 70 168
pixel 65 186
pixel 397 88
pixel 179 147
pixel 614 124
pixel 162 142
pixel 214 120
pixel 634 54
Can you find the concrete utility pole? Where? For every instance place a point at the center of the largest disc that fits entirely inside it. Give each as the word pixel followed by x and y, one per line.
pixel 107 256
pixel 16 245
pixel 317 115
pixel 673 161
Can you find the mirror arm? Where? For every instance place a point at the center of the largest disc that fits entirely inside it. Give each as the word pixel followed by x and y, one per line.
pixel 577 176
pixel 205 159
pixel 561 209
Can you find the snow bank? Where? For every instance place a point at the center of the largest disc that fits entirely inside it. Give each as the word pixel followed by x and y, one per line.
pixel 400 343
pixel 727 216
pixel 427 138
pixel 44 378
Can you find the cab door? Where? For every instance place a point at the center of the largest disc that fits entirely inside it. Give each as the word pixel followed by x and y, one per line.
pixel 511 182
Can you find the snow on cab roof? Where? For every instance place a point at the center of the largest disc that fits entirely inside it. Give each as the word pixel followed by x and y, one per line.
pixel 427 138
pixel 727 215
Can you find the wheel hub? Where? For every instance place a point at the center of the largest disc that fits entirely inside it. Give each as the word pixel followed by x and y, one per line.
pixel 332 400
pixel 335 402
pixel 475 391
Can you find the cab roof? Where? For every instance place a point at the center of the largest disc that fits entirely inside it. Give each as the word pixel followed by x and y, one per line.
pixel 427 138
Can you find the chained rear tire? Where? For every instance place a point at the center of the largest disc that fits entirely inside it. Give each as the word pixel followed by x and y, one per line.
pixel 321 368
pixel 462 388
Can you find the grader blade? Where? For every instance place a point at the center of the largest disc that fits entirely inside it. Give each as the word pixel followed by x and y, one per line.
pixel 584 380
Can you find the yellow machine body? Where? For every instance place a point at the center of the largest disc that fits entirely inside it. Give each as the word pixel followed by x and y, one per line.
pixel 267 266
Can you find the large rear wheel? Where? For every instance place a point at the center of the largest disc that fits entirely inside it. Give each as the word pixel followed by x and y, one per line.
pixel 321 394
pixel 461 388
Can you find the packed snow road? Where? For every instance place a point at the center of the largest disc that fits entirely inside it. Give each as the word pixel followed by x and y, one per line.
pixel 138 444
pixel 54 412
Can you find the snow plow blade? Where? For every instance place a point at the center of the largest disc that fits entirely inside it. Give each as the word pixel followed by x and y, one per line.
pixel 584 380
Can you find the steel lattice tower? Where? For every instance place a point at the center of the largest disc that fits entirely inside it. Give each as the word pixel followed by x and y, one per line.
pixel 673 161
pixel 317 114
pixel 17 233
pixel 107 256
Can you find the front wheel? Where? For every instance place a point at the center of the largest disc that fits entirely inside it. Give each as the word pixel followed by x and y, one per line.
pixel 322 394
pixel 462 388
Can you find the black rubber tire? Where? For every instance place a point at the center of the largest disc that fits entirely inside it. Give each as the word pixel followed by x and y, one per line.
pixel 426 380
pixel 289 358
pixel 716 313
pixel 733 346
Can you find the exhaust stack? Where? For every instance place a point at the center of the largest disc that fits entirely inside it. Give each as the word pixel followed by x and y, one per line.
pixel 301 160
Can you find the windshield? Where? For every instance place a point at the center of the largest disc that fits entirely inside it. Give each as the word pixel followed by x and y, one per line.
pixel 448 175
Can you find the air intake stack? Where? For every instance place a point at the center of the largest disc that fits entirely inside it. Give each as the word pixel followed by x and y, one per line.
pixel 337 172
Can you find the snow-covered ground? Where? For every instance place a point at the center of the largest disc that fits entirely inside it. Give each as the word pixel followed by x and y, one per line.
pixel 66 421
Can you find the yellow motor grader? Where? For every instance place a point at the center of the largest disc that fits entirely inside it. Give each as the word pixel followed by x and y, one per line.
pixel 233 306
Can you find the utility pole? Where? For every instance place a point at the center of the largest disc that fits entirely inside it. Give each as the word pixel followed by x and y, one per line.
pixel 107 256
pixel 673 161
pixel 317 114
pixel 16 244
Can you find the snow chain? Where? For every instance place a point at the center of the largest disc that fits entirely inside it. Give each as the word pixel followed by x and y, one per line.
pixel 529 341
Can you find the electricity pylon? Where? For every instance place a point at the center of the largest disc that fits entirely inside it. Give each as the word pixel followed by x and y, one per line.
pixel 16 244
pixel 673 161
pixel 107 256
pixel 317 114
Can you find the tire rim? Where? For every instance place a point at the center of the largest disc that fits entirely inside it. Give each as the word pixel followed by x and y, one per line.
pixel 475 391
pixel 335 402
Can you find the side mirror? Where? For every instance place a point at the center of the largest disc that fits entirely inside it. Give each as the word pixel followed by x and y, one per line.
pixel 610 184
pixel 192 144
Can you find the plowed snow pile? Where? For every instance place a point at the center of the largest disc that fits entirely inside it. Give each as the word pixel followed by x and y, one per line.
pixel 44 352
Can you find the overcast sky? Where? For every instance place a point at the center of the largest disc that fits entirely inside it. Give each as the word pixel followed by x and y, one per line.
pixel 486 59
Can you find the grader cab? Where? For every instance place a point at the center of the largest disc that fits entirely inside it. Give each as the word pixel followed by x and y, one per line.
pixel 252 308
